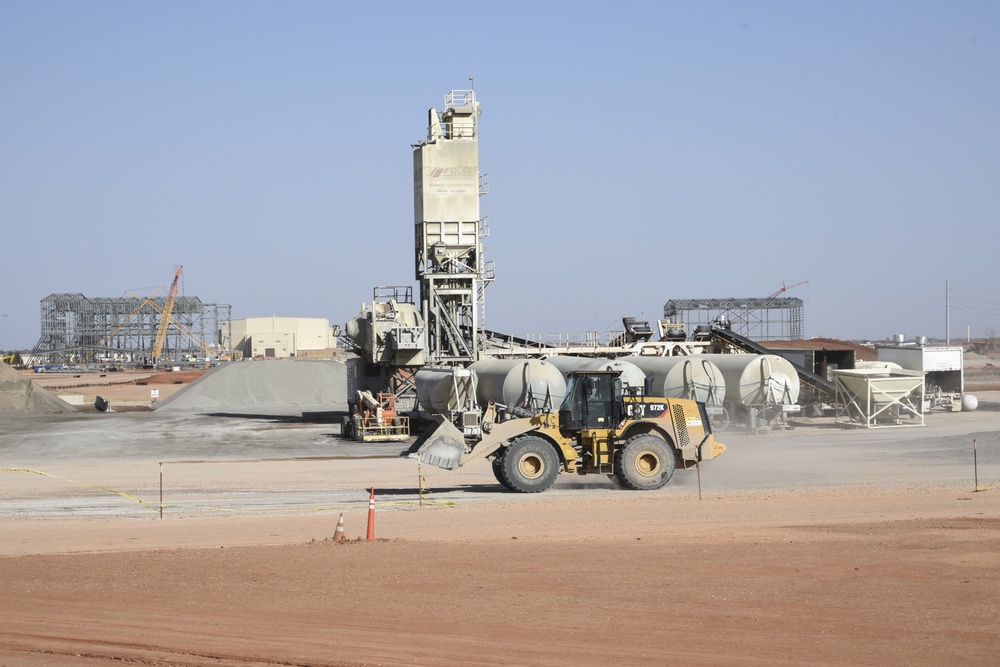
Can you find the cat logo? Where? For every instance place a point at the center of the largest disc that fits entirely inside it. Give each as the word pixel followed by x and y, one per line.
pixel 635 410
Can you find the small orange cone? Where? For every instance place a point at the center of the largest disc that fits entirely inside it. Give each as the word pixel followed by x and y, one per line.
pixel 339 535
pixel 371 515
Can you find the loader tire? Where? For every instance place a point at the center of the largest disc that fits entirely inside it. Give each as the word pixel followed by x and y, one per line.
pixel 498 473
pixel 529 465
pixel 644 463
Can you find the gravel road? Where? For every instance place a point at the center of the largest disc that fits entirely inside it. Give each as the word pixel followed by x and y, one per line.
pixel 813 546
pixel 250 462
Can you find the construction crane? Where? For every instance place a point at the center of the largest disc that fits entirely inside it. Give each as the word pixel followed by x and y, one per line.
pixel 742 315
pixel 149 303
pixel 180 326
pixel 168 309
pixel 785 288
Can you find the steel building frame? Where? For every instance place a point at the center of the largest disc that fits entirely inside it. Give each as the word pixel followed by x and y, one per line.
pixel 78 329
pixel 755 318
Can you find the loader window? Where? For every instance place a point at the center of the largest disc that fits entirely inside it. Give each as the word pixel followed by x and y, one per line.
pixel 600 398
pixel 590 401
pixel 616 402
pixel 571 411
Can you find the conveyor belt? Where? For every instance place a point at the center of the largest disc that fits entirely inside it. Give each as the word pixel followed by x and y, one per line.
pixel 807 377
pixel 502 338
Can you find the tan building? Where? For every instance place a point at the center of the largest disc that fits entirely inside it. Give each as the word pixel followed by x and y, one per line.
pixel 281 337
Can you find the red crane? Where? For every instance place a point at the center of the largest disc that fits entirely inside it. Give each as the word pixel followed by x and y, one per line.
pixel 784 288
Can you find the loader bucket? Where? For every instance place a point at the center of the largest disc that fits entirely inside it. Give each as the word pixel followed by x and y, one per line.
pixel 442 445
pixel 710 448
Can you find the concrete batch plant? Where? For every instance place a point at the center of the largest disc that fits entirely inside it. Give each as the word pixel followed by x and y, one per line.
pixel 395 336
pixel 433 344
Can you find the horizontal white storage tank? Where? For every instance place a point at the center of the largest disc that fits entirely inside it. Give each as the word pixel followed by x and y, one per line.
pixel 758 379
pixel 693 376
pixel 630 374
pixel 523 385
pixel 439 393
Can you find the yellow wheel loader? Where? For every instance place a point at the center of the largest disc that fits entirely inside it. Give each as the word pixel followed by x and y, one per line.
pixel 636 439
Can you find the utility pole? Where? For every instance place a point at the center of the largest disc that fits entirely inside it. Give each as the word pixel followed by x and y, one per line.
pixel 947 313
pixel 5 332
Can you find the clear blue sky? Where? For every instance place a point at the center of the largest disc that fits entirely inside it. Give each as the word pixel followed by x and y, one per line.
pixel 636 151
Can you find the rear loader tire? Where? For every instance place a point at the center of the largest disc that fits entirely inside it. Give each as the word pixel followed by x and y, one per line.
pixel 529 465
pixel 644 463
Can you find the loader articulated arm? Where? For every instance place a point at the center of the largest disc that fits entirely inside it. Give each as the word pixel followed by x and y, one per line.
pixel 444 445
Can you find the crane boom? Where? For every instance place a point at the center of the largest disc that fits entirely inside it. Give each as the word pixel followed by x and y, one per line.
pixel 168 308
pixel 185 330
pixel 742 315
pixel 785 288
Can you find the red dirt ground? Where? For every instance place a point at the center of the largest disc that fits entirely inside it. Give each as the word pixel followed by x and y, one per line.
pixel 783 578
pixel 851 576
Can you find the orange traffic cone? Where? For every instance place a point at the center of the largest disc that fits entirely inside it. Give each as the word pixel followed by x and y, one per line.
pixel 339 535
pixel 371 515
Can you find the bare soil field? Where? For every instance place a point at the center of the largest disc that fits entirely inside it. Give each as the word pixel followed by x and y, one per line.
pixel 982 372
pixel 126 389
pixel 902 578
pixel 814 546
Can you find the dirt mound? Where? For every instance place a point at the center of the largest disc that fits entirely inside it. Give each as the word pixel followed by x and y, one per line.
pixel 20 395
pixel 265 385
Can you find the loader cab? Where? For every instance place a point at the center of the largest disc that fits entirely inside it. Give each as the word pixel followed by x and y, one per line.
pixel 593 401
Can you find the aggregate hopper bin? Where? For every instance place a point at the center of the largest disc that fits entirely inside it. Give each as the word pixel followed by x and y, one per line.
pixel 876 397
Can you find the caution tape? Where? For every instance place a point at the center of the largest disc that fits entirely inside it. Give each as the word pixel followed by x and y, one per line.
pixel 234 510
pixel 92 486
pixel 422 489
pixel 260 510
pixel 418 503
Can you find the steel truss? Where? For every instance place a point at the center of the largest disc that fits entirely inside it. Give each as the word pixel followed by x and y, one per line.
pixel 770 318
pixel 78 329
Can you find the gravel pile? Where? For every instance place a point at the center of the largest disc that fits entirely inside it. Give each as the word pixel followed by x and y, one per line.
pixel 272 386
pixel 19 395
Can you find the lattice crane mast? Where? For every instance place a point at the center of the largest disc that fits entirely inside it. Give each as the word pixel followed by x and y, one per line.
pixel 168 309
